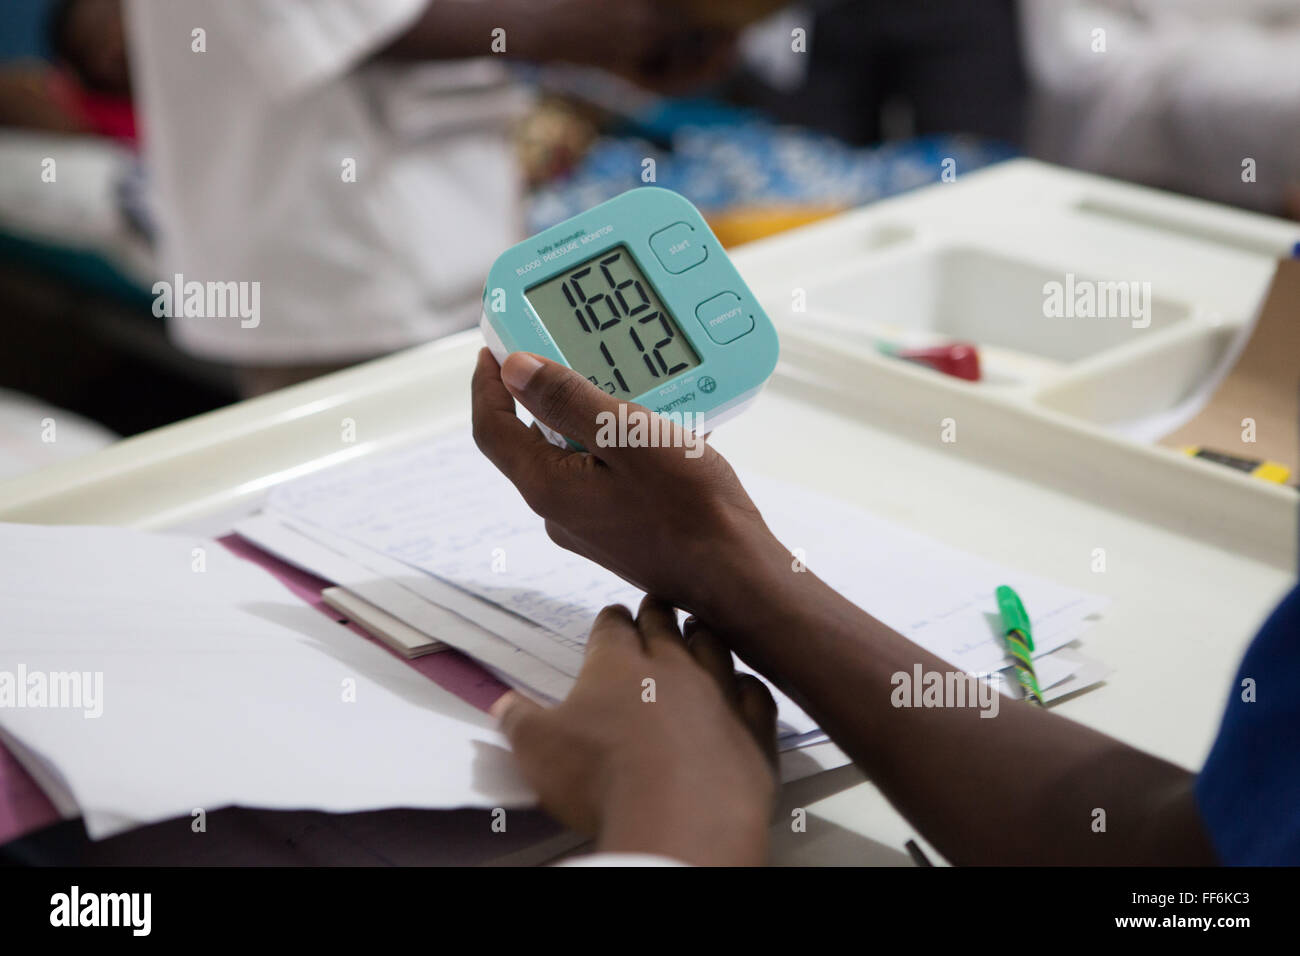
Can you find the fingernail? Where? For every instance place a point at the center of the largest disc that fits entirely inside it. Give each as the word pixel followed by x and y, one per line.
pixel 519 369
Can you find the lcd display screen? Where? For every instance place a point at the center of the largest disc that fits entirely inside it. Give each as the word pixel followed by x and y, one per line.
pixel 611 326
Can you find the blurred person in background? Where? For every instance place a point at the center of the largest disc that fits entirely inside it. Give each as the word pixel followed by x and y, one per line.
pixel 87 89
pixel 354 157
pixel 891 69
pixel 1176 94
pixel 88 40
pixel 90 37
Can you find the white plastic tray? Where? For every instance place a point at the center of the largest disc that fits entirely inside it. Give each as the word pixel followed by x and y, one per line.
pixel 969 261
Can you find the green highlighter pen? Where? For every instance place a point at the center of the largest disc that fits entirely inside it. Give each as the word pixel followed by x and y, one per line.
pixel 1019 641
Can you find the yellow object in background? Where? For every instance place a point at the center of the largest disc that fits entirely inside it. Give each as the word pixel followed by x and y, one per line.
pixel 746 223
pixel 1268 470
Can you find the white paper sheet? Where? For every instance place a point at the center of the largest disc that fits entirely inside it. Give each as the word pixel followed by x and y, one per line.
pixel 219 687
pixel 441 507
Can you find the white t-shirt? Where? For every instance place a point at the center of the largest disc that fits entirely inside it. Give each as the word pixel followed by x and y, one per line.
pixel 367 199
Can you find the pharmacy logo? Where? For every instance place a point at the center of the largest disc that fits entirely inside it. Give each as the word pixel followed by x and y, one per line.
pixel 707 385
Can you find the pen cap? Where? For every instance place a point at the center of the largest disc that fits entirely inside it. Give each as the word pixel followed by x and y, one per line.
pixel 1013 613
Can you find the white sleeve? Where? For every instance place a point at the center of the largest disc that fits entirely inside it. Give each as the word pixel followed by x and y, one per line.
pixel 295 45
pixel 1135 100
pixel 621 859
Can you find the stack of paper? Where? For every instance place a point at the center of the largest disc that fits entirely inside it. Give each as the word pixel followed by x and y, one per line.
pixel 398 635
pixel 436 537
pixel 144 677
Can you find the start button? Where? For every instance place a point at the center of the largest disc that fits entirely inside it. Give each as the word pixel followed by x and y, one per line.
pixel 679 247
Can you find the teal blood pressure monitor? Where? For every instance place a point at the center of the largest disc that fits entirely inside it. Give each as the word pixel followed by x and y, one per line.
pixel 637 295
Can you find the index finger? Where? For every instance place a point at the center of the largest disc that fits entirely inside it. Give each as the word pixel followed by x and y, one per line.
pixel 613 632
pixel 657 622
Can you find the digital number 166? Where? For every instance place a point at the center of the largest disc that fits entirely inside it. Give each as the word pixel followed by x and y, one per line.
pixel 599 311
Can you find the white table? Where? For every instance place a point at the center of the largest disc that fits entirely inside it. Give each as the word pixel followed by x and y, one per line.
pixel 1196 555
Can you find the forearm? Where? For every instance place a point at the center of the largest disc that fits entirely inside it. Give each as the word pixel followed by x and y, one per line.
pixel 1019 787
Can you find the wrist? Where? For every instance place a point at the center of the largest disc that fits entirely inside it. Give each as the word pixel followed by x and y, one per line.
pixel 743 568
pixel 685 824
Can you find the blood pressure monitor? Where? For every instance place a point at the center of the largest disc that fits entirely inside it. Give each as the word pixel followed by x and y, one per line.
pixel 637 295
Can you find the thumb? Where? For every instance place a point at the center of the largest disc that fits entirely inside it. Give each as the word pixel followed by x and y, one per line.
pixel 558 396
pixel 515 713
